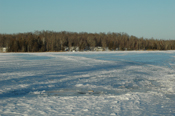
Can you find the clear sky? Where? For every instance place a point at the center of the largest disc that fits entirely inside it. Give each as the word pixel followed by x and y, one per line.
pixel 141 18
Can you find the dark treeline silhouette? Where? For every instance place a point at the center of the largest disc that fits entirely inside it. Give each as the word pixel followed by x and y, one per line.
pixel 41 41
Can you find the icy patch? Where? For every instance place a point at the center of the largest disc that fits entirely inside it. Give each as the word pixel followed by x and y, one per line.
pixel 79 85
pixel 128 104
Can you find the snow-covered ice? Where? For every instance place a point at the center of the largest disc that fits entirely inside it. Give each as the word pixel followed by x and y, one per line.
pixel 88 83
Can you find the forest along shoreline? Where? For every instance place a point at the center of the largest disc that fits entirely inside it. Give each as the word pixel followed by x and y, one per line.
pixel 49 41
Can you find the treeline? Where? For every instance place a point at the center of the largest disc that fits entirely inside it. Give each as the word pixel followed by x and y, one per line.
pixel 42 41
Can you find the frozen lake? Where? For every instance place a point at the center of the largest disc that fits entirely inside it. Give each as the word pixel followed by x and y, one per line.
pixel 88 83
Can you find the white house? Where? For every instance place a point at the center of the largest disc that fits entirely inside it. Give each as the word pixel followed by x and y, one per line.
pixel 98 49
pixel 74 48
pixel 3 49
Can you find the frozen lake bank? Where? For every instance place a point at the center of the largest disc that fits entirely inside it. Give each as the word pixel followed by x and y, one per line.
pixel 124 83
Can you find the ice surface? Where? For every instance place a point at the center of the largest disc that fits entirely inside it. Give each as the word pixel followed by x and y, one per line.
pixel 88 83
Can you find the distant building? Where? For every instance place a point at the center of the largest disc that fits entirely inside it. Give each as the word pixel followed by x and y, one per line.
pixel 76 48
pixel 107 49
pixel 3 49
pixel 73 48
pixel 66 48
pixel 98 49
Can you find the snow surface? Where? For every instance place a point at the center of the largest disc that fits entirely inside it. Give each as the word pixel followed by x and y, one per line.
pixel 88 83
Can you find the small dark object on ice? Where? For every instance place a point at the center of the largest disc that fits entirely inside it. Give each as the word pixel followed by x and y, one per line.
pixel 89 91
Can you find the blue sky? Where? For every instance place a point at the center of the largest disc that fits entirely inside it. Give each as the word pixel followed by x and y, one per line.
pixel 141 18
